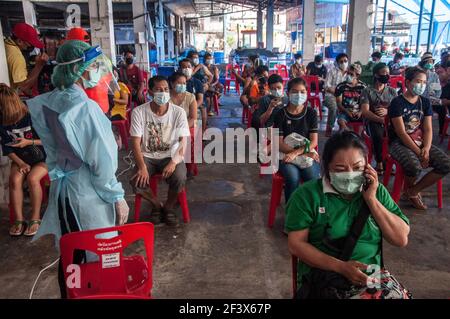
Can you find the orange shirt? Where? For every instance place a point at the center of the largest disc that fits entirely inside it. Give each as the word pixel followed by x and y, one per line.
pixel 99 93
pixel 255 93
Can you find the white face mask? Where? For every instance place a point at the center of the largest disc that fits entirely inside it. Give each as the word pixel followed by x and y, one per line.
pixel 187 72
pixel 161 98
pixel 277 92
pixel 208 62
pixel 343 66
pixel 196 61
pixel 298 98
pixel 299 61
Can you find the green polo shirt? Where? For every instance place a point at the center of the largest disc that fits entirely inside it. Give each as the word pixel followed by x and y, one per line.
pixel 316 204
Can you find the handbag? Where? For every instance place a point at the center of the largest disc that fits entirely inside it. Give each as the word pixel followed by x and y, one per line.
pixel 324 284
pixel 31 154
pixel 295 141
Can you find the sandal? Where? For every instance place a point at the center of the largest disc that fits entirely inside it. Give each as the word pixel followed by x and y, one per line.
pixel 31 224
pixel 416 201
pixel 20 226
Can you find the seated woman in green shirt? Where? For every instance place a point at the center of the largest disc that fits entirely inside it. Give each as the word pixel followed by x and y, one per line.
pixel 326 208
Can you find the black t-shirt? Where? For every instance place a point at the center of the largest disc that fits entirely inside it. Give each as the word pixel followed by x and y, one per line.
pixel 350 95
pixel 304 123
pixel 22 129
pixel 194 86
pixel 445 94
pixel 412 114
pixel 314 70
pixel 263 106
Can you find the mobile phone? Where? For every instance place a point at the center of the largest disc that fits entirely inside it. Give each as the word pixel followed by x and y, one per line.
pixel 366 184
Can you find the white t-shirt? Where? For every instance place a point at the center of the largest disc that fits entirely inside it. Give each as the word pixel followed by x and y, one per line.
pixel 160 134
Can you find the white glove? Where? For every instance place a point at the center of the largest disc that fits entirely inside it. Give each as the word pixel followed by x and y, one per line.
pixel 122 211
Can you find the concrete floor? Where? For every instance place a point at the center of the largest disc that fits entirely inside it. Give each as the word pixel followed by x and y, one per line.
pixel 227 251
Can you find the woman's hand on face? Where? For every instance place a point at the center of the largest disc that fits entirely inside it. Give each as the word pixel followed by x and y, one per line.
pixel 22 142
pixel 352 271
pixel 372 182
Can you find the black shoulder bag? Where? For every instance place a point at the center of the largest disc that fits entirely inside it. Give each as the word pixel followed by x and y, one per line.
pixel 323 284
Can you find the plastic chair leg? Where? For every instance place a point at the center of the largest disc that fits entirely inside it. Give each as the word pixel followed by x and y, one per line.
pixel 154 186
pixel 182 199
pixel 275 199
pixel 439 193
pixel 137 207
pixel 387 172
pixel 398 184
pixel 124 135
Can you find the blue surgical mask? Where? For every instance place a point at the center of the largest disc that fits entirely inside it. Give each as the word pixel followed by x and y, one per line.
pixel 94 78
pixel 347 183
pixel 277 93
pixel 418 88
pixel 297 98
pixel 180 88
pixel 161 98
pixel 349 79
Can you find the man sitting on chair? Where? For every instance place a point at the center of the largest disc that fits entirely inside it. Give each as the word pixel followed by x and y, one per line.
pixel 159 132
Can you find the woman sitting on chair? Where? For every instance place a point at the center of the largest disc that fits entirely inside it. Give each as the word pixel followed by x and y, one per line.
pixel 410 138
pixel 319 215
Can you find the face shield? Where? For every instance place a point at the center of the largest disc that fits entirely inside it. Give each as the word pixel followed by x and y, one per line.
pixel 95 70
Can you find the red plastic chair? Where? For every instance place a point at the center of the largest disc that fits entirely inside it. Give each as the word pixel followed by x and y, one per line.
pixel 230 77
pixel 45 185
pixel 357 127
pixel 216 104
pixel 369 144
pixel 114 275
pixel 400 180
pixel 394 81
pixel 122 126
pixel 275 198
pixel 294 262
pixel 182 199
pixel 314 96
pixel 192 167
pixel 444 131
pixel 283 72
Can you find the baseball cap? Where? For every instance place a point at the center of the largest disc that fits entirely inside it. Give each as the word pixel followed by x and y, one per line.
pixel 426 56
pixel 27 33
pixel 78 34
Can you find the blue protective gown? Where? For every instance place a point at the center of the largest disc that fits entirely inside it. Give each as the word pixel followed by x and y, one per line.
pixel 81 158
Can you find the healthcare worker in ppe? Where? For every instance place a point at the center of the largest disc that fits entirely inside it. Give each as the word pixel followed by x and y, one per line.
pixel 80 146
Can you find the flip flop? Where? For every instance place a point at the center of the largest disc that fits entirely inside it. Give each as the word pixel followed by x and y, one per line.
pixel 32 222
pixel 416 201
pixel 23 225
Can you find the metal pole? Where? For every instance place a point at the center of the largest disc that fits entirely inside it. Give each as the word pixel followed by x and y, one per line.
pixel 383 27
pixel 419 26
pixel 430 29
pixel 374 37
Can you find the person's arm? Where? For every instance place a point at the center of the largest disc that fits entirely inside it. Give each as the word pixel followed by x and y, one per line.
pixel 369 115
pixel 141 85
pixel 394 229
pixel 329 86
pixel 427 132
pixel 123 100
pixel 299 246
pixel 192 118
pixel 208 74
pixel 216 75
pixel 182 129
pixel 266 115
pixel 32 78
pixel 199 98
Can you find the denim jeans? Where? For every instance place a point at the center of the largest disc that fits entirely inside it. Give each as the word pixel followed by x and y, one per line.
pixel 293 175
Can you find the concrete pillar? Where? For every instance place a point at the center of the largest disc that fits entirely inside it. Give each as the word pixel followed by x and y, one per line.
pixel 225 23
pixel 183 33
pixel 29 13
pixel 308 30
pixel 139 24
pixel 259 26
pixel 102 27
pixel 4 161
pixel 160 47
pixel 170 43
pixel 269 25
pixel 358 34
pixel 4 78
